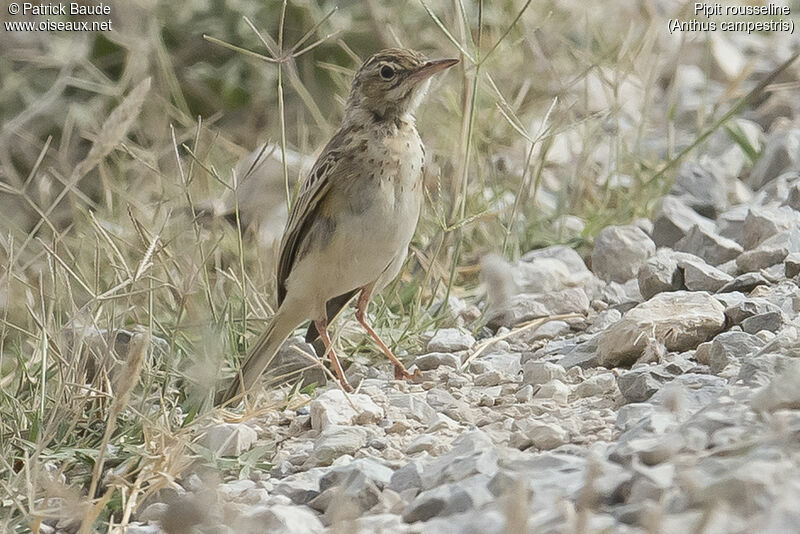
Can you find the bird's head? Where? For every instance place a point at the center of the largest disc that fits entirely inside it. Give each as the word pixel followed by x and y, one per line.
pixel 392 82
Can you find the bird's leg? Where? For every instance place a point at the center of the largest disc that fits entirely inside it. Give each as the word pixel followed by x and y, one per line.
pixel 400 370
pixel 322 328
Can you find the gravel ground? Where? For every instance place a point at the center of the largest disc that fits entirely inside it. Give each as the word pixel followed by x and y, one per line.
pixel 664 400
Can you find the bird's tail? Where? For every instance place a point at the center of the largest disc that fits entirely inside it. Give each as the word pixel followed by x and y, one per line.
pixel 261 354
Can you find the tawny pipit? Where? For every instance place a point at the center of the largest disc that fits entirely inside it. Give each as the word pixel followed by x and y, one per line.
pixel 350 227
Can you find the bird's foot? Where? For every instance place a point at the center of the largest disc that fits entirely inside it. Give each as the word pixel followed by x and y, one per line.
pixel 345 385
pixel 400 373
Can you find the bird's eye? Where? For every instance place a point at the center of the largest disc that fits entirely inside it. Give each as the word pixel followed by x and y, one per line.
pixel 387 72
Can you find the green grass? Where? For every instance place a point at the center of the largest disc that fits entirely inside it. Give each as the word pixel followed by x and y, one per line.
pixel 112 148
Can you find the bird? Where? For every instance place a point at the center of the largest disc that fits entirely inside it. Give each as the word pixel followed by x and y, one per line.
pixel 350 227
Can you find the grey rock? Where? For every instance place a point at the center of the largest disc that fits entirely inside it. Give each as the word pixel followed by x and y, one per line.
pixel 640 384
pixel 777 191
pixel 781 154
pixel 689 392
pixel 334 442
pixel 424 442
pixel 761 370
pixel 583 355
pixel 279 519
pixel 760 258
pixel 729 268
pixel 553 348
pixel 563 253
pixel 434 360
pixel 542 435
pixel 785 295
pixel 471 453
pixel 771 251
pixel 451 340
pixel 600 384
pixel 333 407
pixel 549 330
pixel 703 352
pixel 730 299
pixel 709 245
pixel 673 220
pixel 619 252
pixel 622 295
pixel 484 521
pixel 412 406
pixel 131 528
pixel 154 512
pixel 377 444
pixel 229 439
pixel 527 306
pixel 235 488
pixel 300 487
pixel 539 372
pixel 491 378
pixel 556 390
pixel 732 346
pixel 679 320
pixel 503 362
pixel 744 283
pixel 354 495
pixel 763 222
pixel 372 469
pixel 660 273
pixel 382 523
pixel 524 394
pixel 782 392
pixel 793 198
pixel 657 450
pixel 699 276
pixel 792 265
pixel 407 477
pixel 700 188
pixel 770 321
pixel 545 274
pixel 439 399
pixel 631 414
pixel 749 307
pixel 296 358
pixel 604 319
pixel 449 499
pixel 731 223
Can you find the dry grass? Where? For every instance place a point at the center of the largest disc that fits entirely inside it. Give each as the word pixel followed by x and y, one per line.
pixel 113 147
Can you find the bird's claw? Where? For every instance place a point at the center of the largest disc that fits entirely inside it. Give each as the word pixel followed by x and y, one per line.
pixel 401 373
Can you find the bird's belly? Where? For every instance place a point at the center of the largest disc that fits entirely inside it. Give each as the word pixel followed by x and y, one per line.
pixel 374 221
pixel 370 240
pixel 366 240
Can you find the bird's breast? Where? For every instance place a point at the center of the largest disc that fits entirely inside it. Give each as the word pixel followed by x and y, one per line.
pixel 403 156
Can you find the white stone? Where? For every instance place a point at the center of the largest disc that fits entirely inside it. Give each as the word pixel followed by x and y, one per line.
pixel 280 519
pixel 336 441
pixel 425 442
pixel 555 389
pixel 679 320
pixel 451 340
pixel 546 436
pixel 334 407
pixel 230 439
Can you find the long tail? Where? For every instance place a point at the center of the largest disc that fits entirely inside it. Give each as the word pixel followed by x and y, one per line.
pixel 261 354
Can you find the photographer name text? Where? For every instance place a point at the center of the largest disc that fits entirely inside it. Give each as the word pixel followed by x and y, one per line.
pixel 58 10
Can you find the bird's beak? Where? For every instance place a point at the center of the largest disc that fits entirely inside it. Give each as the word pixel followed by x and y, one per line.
pixel 432 67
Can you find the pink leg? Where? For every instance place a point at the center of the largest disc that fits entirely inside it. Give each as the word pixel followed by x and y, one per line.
pixel 322 328
pixel 400 370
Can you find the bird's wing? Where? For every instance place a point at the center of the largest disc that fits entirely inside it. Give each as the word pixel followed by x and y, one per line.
pixel 312 192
